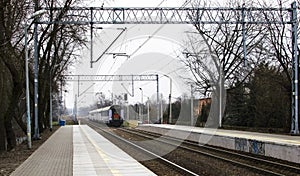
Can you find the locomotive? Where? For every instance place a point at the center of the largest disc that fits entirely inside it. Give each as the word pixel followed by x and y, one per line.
pixel 110 115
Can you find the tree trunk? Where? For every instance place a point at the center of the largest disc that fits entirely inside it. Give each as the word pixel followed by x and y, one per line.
pixel 5 94
pixel 3 145
pixel 10 134
pixel 42 102
pixel 12 113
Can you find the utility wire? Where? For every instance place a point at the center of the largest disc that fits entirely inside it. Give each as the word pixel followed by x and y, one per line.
pixel 156 31
pixel 161 3
pixel 149 37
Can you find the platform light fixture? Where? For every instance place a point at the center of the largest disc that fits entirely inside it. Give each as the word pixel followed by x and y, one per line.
pixel 170 99
pixel 142 94
pixel 34 15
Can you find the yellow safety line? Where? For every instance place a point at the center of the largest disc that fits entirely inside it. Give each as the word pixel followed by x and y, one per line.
pixel 101 153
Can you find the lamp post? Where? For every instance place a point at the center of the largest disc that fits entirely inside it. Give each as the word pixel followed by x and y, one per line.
pixel 170 99
pixel 148 110
pixel 75 107
pixel 37 13
pixel 192 105
pixel 50 117
pixel 220 94
pixel 142 94
pixel 36 71
pixel 161 108
pixel 27 90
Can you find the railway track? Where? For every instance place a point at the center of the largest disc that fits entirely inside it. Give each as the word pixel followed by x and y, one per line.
pixel 162 161
pixel 257 164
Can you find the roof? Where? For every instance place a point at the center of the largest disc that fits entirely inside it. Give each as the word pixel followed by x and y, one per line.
pixel 100 110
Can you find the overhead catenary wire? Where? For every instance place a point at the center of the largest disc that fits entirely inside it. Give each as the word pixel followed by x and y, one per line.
pixel 176 69
pixel 161 3
pixel 124 39
pixel 123 30
pixel 157 30
pixel 112 66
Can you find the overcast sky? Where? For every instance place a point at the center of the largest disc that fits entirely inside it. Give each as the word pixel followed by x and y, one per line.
pixel 129 44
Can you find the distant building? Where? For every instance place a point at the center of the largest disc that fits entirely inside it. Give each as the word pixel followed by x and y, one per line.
pixel 202 102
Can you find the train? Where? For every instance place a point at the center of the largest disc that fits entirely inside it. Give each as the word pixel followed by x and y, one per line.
pixel 110 115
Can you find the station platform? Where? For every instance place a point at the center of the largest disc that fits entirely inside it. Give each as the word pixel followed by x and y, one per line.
pixel 283 147
pixel 79 150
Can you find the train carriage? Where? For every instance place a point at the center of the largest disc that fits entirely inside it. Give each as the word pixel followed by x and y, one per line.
pixel 110 115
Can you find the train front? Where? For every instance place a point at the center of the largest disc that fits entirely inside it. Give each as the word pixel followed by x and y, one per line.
pixel 115 116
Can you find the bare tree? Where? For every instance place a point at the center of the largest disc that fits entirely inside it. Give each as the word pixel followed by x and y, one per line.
pixel 59 48
pixel 12 73
pixel 269 43
pixel 224 44
pixel 278 48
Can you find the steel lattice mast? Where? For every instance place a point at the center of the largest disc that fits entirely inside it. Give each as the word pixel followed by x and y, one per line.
pixel 206 15
pixel 151 77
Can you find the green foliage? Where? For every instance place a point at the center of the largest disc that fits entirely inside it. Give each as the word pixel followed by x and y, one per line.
pixel 55 123
pixel 270 97
pixel 126 123
pixel 181 112
pixel 262 102
pixel 237 107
